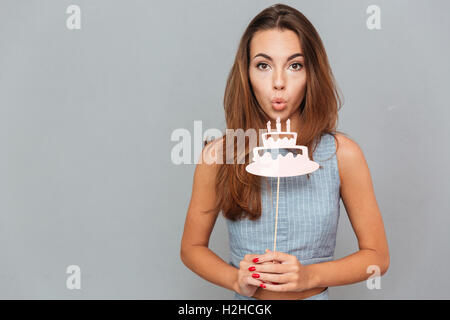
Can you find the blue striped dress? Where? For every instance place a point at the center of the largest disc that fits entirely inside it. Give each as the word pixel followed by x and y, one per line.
pixel 308 215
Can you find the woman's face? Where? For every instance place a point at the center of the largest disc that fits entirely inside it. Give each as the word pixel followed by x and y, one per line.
pixel 276 70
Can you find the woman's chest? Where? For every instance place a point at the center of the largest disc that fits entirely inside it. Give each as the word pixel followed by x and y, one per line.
pixel 296 207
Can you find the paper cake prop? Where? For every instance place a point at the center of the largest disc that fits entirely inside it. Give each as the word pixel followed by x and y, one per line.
pixel 283 165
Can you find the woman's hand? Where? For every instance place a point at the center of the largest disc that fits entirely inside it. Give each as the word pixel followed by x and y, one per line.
pixel 289 273
pixel 246 285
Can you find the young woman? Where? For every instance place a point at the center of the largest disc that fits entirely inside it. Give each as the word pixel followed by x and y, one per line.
pixel 281 70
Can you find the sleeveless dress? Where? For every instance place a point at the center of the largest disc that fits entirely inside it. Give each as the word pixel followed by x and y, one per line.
pixel 308 215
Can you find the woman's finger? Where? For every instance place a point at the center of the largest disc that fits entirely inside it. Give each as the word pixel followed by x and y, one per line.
pixel 272 268
pixel 273 255
pixel 252 281
pixel 279 287
pixel 271 277
pixel 249 257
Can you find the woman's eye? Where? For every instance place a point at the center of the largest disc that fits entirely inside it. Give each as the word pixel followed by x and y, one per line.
pixel 265 66
pixel 262 64
pixel 299 66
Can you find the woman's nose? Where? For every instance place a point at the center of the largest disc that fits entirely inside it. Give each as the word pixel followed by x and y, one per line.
pixel 278 81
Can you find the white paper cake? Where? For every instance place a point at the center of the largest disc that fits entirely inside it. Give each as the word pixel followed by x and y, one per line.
pixel 286 165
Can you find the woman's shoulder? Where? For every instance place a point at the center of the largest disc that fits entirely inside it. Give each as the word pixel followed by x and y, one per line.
pixel 206 170
pixel 211 152
pixel 208 163
pixel 349 155
pixel 346 146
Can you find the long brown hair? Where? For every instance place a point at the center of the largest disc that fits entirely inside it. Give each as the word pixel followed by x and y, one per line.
pixel 238 192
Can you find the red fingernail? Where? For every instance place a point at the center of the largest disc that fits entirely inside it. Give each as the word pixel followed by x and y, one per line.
pixel 255 275
pixel 255 260
pixel 262 285
pixel 252 268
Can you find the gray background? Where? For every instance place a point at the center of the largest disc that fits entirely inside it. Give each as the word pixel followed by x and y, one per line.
pixel 86 117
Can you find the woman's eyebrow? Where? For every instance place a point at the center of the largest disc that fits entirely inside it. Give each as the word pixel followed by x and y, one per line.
pixel 270 59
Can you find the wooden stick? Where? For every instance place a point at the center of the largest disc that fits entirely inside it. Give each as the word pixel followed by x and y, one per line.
pixel 276 217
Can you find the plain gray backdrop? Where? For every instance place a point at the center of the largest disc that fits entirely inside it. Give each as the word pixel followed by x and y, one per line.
pixel 86 117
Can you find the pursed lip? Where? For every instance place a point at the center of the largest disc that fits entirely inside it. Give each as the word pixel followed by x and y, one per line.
pixel 278 100
pixel 279 104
